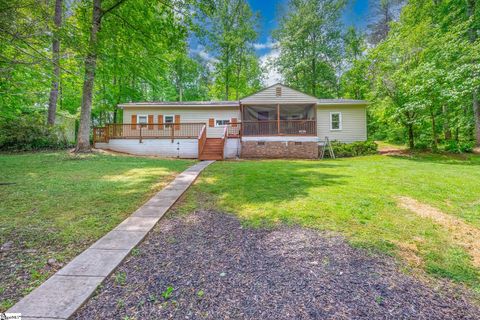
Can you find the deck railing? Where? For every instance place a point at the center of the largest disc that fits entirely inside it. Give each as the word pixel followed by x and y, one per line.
pixel 148 131
pixel 273 128
pixel 194 130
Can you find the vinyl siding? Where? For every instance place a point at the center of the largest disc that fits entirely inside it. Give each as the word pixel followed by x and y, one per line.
pixel 188 115
pixel 182 148
pixel 268 96
pixel 354 123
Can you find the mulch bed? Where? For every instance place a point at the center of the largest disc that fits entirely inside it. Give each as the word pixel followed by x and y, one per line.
pixel 206 265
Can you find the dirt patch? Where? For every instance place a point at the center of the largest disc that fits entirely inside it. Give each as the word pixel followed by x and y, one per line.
pixel 206 265
pixel 463 233
pixel 409 252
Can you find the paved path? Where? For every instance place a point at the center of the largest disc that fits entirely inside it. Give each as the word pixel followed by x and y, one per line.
pixel 63 293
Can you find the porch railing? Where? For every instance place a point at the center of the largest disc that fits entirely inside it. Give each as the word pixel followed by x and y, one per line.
pixel 273 128
pixel 148 131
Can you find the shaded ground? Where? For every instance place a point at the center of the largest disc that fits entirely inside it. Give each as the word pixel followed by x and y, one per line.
pixel 206 265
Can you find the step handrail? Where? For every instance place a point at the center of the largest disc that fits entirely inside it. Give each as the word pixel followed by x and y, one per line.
pixel 202 138
pixel 224 140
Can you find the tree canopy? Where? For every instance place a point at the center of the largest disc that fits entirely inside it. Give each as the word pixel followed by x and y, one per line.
pixel 416 62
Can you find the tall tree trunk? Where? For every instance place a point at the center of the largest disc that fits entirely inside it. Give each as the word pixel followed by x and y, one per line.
pixel 473 32
pixel 476 114
pixel 83 144
pixel 446 123
pixel 52 101
pixel 434 130
pixel 227 74
pixel 411 137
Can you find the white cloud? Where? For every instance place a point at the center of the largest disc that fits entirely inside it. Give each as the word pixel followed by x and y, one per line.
pixel 272 75
pixel 267 45
pixel 205 55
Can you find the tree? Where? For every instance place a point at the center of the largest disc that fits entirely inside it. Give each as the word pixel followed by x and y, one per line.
pixel 424 67
pixel 354 80
pixel 52 103
pixel 473 31
pixel 83 144
pixel 309 40
pixel 229 33
pixel 384 12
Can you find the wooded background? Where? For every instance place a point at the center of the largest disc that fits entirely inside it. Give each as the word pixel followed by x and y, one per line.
pixel 417 62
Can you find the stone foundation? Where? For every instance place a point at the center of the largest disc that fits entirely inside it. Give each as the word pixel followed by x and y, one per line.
pixel 280 149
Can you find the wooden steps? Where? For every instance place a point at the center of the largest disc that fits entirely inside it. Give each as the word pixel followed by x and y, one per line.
pixel 213 149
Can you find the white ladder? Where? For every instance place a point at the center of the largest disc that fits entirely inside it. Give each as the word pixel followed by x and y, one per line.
pixel 327 144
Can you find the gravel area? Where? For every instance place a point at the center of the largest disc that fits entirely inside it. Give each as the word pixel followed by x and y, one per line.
pixel 206 265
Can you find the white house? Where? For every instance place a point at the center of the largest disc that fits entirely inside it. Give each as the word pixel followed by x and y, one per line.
pixel 276 122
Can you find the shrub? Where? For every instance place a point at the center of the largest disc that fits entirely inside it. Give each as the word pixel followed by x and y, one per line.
pixel 422 145
pixel 459 146
pixel 354 149
pixel 30 132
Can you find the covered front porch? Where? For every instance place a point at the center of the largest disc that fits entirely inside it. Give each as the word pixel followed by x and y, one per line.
pixel 278 120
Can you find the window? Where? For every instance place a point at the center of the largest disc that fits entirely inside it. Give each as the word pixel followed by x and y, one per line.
pixel 142 119
pixel 335 121
pixel 221 123
pixel 168 119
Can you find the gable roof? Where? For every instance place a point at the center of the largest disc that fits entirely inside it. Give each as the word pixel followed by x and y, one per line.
pixel 270 95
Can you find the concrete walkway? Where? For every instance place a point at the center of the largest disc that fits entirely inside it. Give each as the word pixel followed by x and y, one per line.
pixel 63 293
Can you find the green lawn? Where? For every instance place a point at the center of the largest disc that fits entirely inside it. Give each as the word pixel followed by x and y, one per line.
pixel 53 205
pixel 356 197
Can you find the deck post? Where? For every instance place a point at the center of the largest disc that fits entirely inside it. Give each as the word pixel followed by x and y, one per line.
pixel 141 133
pixel 278 118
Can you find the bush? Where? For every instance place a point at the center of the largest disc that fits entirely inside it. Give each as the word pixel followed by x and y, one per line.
pixel 354 149
pixel 459 146
pixel 30 132
pixel 422 145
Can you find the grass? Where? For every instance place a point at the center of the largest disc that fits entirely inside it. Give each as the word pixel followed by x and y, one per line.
pixel 356 197
pixel 382 145
pixel 53 205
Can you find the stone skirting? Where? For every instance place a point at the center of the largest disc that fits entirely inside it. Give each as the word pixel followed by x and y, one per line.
pixel 280 149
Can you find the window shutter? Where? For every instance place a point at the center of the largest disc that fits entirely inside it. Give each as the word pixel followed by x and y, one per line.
pixel 211 122
pixel 177 120
pixel 233 121
pixel 150 122
pixel 134 122
pixel 160 121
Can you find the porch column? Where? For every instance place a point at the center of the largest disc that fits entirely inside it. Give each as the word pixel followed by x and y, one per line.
pixel 278 119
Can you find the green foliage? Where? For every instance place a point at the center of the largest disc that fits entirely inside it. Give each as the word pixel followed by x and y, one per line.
pixel 228 34
pixel 424 74
pixel 167 293
pixel 309 39
pixel 359 148
pixel 143 54
pixel 120 278
pixel 459 147
pixel 29 131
